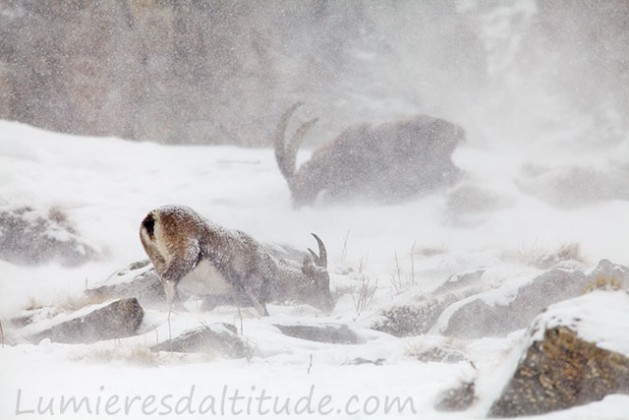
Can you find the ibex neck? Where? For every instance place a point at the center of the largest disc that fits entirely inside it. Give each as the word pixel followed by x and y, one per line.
pixel 216 242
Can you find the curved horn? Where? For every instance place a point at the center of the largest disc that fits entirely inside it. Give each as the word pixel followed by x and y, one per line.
pixel 322 259
pixel 286 154
pixel 286 164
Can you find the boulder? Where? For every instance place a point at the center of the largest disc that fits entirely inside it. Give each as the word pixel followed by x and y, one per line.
pixel 574 186
pixel 574 353
pixel 459 398
pixel 325 333
pixel 438 353
pixel 476 318
pixel 28 236
pixel 221 339
pixel 138 280
pixel 419 316
pixel 116 319
pixel 357 361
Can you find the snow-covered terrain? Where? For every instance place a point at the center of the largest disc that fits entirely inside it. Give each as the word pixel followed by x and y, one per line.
pixel 107 185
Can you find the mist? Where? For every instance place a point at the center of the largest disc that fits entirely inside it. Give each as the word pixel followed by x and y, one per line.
pixel 516 72
pixel 497 231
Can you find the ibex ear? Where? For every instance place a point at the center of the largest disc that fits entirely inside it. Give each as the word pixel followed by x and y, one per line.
pixel 308 267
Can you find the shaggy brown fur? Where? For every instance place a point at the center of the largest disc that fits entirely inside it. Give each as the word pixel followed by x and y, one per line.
pixel 387 163
pixel 176 239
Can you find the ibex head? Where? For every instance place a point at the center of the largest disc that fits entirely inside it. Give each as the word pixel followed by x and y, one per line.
pixel 316 288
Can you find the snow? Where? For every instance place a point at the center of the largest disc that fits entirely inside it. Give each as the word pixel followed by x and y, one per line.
pixel 504 217
pixel 106 186
pixel 598 317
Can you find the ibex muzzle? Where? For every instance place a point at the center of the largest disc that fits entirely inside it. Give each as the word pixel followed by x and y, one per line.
pixel 176 239
pixel 386 163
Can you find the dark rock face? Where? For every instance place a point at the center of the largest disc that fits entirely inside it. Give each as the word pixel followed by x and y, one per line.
pixel 457 399
pixel 118 319
pixel 560 372
pixel 31 237
pixel 221 339
pixel 204 72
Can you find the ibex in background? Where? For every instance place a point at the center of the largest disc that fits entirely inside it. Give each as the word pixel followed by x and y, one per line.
pixel 177 239
pixel 386 163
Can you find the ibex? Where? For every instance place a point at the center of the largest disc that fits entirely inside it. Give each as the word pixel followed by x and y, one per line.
pixel 176 239
pixel 390 162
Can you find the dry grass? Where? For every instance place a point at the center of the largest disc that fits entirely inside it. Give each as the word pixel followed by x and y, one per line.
pixel 402 282
pixel 544 259
pixel 604 283
pixel 74 303
pixel 444 351
pixel 363 295
pixel 139 355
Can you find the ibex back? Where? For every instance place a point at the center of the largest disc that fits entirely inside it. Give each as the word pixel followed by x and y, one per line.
pixel 176 239
pixel 387 163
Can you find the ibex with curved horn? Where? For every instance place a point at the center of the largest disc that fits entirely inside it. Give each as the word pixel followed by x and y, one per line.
pixel 177 239
pixel 385 163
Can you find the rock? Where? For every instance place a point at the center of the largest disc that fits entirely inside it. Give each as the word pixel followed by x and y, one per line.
pixel 461 280
pixel 138 280
pixel 357 361
pixel 574 353
pixel 114 320
pixel 173 71
pixel 440 354
pixel 457 399
pixel 28 236
pixel 419 317
pixel 476 318
pixel 220 339
pixel 327 333
pixel 575 186
pixel 469 205
pixel 32 316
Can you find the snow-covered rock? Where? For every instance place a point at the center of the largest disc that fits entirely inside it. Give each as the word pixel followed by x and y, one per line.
pixel 485 315
pixel 28 236
pixel 576 185
pixel 218 339
pixel 575 352
pixel 116 319
pixel 138 280
pixel 325 333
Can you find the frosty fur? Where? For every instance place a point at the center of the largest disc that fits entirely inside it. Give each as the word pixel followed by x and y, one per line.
pixel 177 239
pixel 387 163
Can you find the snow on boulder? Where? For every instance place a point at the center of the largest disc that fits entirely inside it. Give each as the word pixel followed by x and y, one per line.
pixel 138 280
pixel 28 236
pixel 575 352
pixel 573 186
pixel 219 339
pixel 117 319
pixel 506 309
pixel 419 315
pixel 323 333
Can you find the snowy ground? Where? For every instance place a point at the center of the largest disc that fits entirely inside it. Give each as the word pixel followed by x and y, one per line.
pixel 107 185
